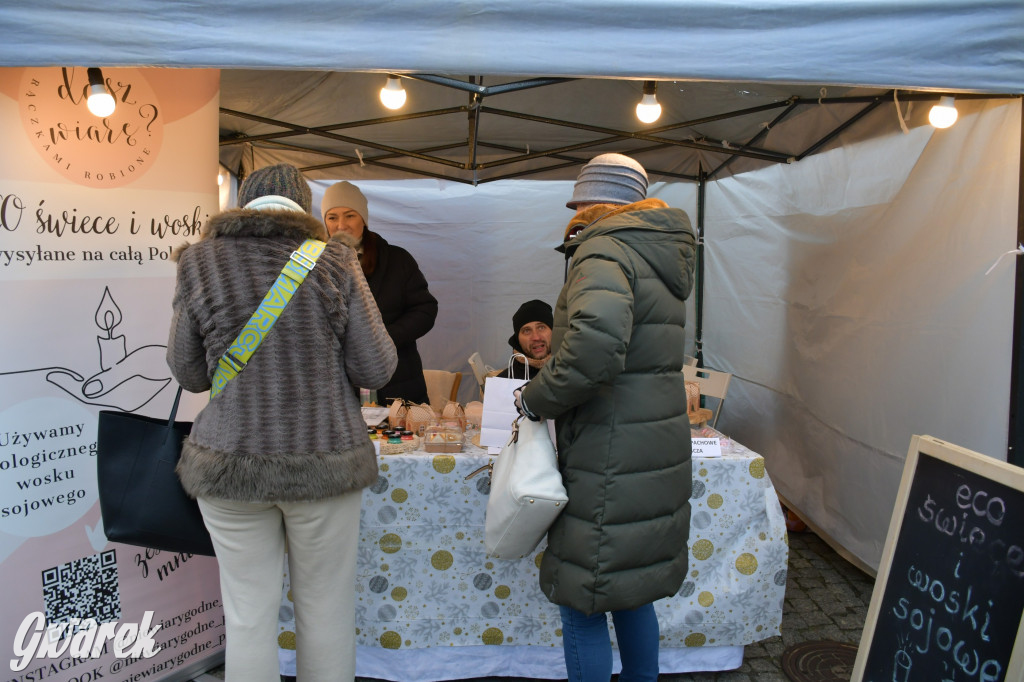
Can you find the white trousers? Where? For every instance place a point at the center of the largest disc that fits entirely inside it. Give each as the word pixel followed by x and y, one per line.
pixel 323 538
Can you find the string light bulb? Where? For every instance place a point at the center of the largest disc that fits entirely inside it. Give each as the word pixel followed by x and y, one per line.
pixel 943 114
pixel 648 110
pixel 100 102
pixel 392 95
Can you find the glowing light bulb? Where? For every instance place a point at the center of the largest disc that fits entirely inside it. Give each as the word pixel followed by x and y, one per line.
pixel 101 103
pixel 392 95
pixel 648 110
pixel 943 114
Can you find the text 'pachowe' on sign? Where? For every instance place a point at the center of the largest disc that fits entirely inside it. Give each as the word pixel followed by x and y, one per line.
pixel 949 595
pixel 706 447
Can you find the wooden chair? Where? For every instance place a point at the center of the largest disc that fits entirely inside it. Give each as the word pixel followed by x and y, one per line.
pixel 442 386
pixel 712 383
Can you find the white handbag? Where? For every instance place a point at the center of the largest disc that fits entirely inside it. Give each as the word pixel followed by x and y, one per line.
pixel 527 493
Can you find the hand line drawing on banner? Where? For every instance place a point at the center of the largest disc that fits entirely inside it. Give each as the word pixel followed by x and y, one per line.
pixel 127 381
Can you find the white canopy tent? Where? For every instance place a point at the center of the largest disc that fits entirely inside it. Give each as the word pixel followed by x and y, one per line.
pixel 960 45
pixel 846 291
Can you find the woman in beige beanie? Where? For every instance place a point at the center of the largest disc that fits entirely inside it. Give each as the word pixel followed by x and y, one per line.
pixel 398 286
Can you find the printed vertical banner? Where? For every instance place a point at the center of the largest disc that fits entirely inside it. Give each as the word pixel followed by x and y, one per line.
pixel 90 209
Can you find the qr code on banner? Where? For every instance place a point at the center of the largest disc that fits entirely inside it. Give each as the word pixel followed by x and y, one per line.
pixel 83 588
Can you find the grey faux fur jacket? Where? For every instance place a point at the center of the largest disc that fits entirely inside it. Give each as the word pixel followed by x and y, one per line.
pixel 288 427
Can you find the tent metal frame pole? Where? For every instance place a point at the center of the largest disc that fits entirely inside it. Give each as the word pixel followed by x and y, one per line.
pixel 904 96
pixel 352 140
pixel 480 88
pixel 651 131
pixel 719 148
pixel 295 131
pixel 843 126
pixel 698 334
pixel 737 113
pixel 573 161
pixel 379 160
pixel 1015 438
pixel 553 153
pixel 757 136
pixel 666 128
pixel 532 171
pixel 558 153
pixel 347 160
pixel 473 135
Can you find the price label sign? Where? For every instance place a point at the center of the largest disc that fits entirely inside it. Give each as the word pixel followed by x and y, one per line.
pixel 706 447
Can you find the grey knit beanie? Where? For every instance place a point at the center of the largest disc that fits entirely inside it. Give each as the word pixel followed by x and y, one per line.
pixel 283 180
pixel 347 195
pixel 610 179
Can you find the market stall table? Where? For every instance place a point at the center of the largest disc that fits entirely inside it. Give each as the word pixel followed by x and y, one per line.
pixel 431 605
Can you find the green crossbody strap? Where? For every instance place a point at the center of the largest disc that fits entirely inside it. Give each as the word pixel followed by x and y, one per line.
pixel 299 264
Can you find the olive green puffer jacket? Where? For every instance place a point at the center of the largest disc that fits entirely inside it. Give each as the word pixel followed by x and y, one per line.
pixel 614 385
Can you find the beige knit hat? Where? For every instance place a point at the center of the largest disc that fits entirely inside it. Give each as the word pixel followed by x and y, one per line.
pixel 344 194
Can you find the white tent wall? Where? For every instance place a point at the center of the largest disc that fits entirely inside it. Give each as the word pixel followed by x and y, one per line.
pixel 848 294
pixel 484 251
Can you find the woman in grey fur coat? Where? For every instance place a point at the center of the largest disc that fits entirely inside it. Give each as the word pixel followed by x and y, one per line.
pixel 281 453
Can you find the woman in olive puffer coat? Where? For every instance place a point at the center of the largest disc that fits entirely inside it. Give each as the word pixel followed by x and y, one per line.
pixel 614 386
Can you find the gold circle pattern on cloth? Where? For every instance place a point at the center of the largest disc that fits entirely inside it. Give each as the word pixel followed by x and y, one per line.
pixel 423 578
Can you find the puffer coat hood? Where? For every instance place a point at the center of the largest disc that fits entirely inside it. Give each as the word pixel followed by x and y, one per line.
pixel 615 387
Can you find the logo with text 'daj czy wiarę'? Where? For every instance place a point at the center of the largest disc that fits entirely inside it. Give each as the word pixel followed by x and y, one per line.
pixel 108 151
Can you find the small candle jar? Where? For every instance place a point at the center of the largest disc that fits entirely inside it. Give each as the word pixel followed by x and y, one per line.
pixel 406 434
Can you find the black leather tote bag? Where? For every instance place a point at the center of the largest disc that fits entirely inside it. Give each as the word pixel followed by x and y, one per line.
pixel 141 498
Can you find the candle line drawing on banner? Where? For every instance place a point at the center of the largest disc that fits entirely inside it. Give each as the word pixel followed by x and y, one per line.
pixel 127 380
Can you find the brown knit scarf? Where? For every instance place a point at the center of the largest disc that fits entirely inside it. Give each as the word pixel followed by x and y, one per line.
pixel 595 212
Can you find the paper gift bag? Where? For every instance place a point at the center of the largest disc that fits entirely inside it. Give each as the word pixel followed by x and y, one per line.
pixel 499 408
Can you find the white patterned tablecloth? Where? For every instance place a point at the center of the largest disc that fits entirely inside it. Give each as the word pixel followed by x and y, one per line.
pixel 424 581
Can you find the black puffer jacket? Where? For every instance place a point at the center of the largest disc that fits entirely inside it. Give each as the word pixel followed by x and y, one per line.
pixel 614 385
pixel 408 310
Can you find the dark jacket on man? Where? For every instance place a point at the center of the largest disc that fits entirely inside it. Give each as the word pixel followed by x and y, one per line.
pixel 615 387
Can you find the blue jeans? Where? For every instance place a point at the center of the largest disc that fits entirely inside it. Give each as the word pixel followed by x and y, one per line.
pixel 588 647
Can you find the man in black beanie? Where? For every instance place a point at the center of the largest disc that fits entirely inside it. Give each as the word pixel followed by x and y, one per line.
pixel 531 336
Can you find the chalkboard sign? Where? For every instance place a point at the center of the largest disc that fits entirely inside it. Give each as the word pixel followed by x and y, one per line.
pixel 949 596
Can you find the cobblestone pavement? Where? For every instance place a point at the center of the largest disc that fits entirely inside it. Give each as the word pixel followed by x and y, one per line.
pixel 826 599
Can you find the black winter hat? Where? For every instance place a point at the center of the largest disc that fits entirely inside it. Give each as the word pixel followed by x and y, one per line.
pixel 531 311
